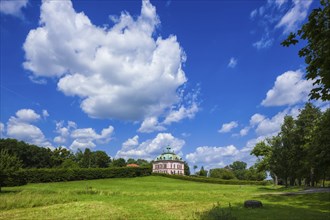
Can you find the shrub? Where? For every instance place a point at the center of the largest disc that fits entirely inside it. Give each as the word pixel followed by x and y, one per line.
pixel 59 175
pixel 212 180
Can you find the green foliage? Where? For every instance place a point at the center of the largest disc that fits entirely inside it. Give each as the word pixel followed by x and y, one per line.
pixel 316 53
pixel 30 155
pixel 222 173
pixel 300 151
pixel 217 213
pixel 212 180
pixel 59 175
pixel 202 172
pixel 238 165
pixel 69 164
pixel 186 169
pixel 8 165
pixel 120 162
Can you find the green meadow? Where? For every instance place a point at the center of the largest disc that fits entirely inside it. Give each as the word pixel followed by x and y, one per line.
pixel 154 197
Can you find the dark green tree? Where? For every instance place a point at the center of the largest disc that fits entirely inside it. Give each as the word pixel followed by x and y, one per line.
pixel 120 162
pixel 8 164
pixel 222 173
pixel 317 50
pixel 186 169
pixel 100 159
pixel 320 146
pixel 202 172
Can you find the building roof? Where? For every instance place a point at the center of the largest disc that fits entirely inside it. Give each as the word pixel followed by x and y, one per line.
pixel 168 155
pixel 132 165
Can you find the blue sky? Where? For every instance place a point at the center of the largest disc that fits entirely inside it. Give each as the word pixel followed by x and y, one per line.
pixel 208 78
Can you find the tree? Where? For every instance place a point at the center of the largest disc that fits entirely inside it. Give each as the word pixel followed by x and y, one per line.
pixel 222 173
pixel 100 159
pixel 305 125
pixel 202 172
pixel 120 162
pixel 316 53
pixel 239 169
pixel 59 155
pixel 320 146
pixel 238 165
pixel 253 174
pixel 195 167
pixel 8 164
pixel 186 169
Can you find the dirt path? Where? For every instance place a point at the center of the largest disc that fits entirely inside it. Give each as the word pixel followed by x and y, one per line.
pixel 309 191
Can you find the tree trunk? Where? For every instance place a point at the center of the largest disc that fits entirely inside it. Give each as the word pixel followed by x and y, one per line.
pixel 299 181
pixel 275 180
pixel 292 180
pixel 312 177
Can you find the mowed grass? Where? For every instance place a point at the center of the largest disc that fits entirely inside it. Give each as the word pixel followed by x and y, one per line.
pixel 154 197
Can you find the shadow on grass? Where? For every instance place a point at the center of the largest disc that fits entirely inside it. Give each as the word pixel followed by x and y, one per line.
pixel 317 201
pixel 309 206
pixel 5 191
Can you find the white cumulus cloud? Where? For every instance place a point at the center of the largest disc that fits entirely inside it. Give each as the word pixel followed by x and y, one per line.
pixel 123 72
pixel 290 88
pixel 211 157
pixel 13 7
pixel 227 127
pixel 20 127
pixel 151 148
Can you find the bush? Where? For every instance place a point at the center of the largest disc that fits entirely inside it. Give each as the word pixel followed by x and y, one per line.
pixel 212 180
pixel 59 175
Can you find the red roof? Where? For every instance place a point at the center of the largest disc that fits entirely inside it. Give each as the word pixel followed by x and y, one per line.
pixel 132 165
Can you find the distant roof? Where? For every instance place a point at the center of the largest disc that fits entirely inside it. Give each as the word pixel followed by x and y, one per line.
pixel 132 165
pixel 168 155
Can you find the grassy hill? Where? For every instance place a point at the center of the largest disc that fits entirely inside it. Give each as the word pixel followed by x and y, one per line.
pixel 153 197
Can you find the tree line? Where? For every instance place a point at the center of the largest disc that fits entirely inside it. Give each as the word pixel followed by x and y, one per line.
pixel 31 156
pixel 237 170
pixel 300 153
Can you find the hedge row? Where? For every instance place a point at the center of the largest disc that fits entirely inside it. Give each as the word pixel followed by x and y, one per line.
pixel 58 175
pixel 212 180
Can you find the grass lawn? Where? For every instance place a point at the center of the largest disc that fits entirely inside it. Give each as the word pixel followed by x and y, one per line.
pixel 154 197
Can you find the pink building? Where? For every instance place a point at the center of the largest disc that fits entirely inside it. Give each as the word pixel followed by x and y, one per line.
pixel 169 163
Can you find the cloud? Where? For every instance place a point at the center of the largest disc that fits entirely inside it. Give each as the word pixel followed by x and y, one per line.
pixel 27 115
pixel 45 114
pixel 295 16
pixel 256 119
pixel 244 131
pixel 81 138
pixel 279 3
pixel 151 124
pixel 228 127
pixel 253 13
pixel 131 142
pixel 181 113
pixel 276 15
pixel 232 62
pixel 290 88
pixel 212 157
pixel 263 43
pixel 86 137
pixel 151 148
pixel 2 130
pixel 123 72
pixel 64 132
pixel 187 108
pixel 20 127
pixel 13 7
